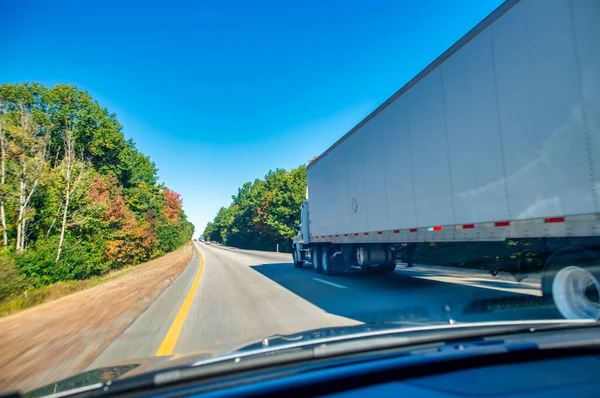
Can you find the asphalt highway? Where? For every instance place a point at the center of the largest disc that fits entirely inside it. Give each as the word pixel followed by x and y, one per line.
pixel 229 297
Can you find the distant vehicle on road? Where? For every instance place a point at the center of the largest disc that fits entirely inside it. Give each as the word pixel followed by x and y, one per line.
pixel 488 158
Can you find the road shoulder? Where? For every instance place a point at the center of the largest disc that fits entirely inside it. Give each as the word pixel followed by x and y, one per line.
pixel 62 337
pixel 144 336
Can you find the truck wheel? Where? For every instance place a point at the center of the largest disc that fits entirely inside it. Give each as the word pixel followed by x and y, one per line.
pixel 297 264
pixel 316 259
pixel 363 258
pixel 327 262
pixel 572 279
pixel 369 256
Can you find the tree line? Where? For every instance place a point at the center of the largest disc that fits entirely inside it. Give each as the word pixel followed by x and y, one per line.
pixel 76 198
pixel 263 214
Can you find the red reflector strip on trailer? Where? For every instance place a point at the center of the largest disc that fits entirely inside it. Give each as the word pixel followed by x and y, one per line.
pixel 413 230
pixel 366 233
pixel 468 226
pixel 379 233
pixel 502 224
pixel 396 231
pixel 551 220
pixel 355 234
pixel 345 234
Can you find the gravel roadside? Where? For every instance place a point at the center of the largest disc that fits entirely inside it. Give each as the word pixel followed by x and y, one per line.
pixel 61 338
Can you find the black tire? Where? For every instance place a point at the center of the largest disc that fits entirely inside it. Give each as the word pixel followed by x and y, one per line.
pixel 572 258
pixel 297 264
pixel 327 263
pixel 316 259
pixel 364 252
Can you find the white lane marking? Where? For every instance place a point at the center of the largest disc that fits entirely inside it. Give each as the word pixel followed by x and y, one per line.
pixel 330 283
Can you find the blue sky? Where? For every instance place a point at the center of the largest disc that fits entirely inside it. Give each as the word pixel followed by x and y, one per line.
pixel 220 92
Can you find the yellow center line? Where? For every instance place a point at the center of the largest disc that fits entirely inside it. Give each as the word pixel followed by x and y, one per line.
pixel 170 340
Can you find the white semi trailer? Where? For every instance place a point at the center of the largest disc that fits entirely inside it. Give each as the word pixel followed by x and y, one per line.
pixel 489 158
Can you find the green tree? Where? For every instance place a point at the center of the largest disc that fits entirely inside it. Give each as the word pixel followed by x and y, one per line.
pixel 76 198
pixel 264 213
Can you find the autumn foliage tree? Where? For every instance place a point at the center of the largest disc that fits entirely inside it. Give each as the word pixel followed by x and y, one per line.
pixel 172 206
pixel 76 198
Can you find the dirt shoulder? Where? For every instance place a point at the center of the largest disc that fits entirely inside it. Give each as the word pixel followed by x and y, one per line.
pixel 62 337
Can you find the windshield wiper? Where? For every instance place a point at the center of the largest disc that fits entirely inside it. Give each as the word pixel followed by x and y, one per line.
pixel 423 337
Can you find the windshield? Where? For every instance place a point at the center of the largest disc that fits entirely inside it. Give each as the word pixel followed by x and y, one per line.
pixel 198 178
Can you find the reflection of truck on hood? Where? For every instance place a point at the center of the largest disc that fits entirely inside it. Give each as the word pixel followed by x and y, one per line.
pixel 488 158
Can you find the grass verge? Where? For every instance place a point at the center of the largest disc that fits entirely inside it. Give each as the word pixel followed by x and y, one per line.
pixel 45 294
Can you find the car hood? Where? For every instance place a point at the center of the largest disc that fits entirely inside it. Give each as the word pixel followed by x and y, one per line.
pixel 130 368
pixel 119 370
pixel 142 371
